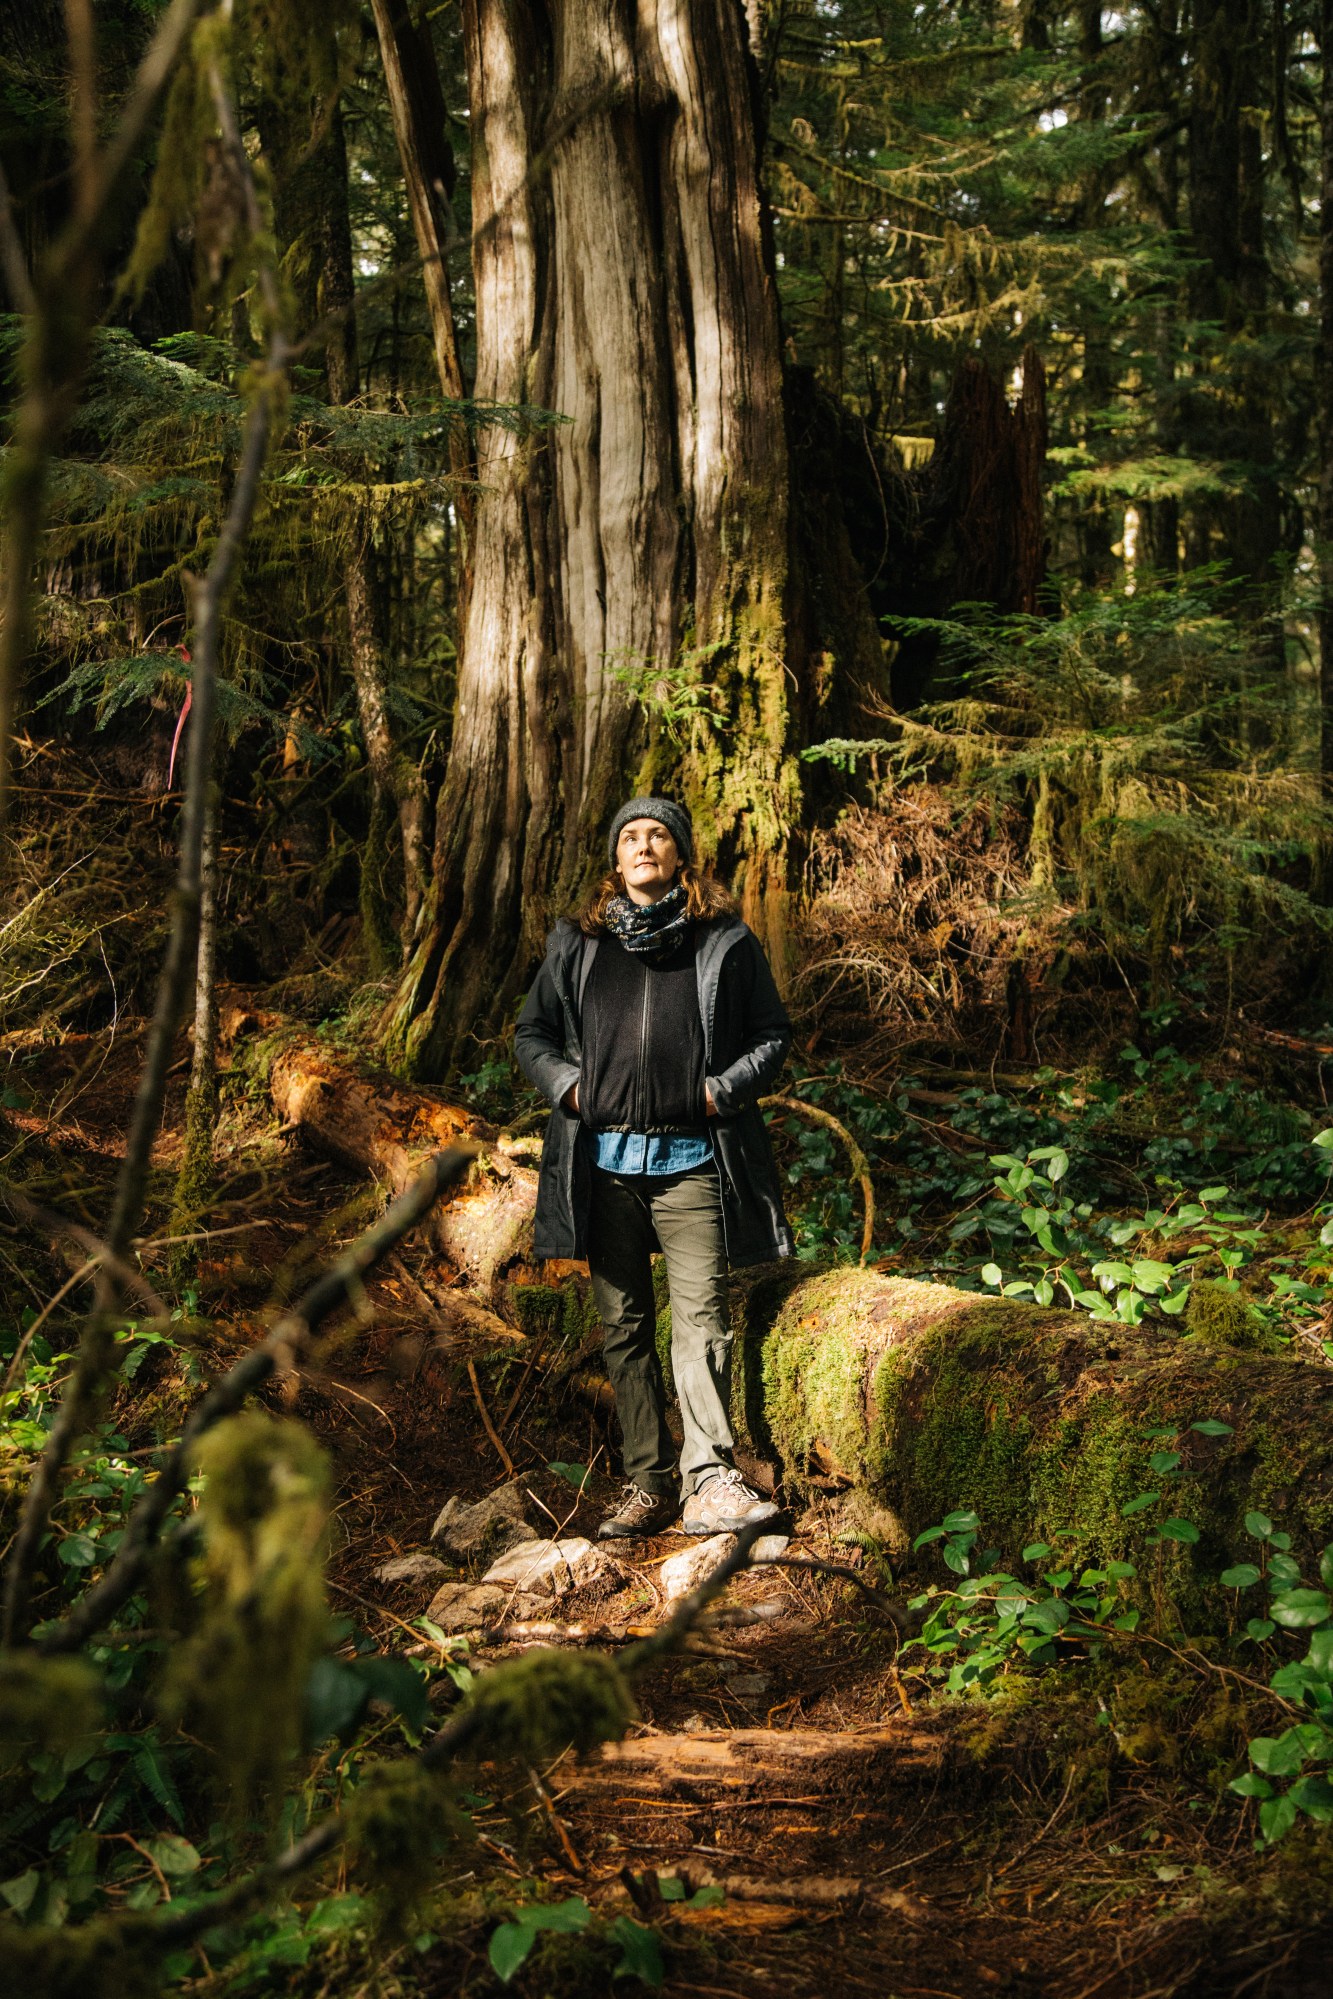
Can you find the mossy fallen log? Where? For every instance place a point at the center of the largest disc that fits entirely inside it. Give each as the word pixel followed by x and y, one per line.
pixel 1043 1422
pixel 922 1398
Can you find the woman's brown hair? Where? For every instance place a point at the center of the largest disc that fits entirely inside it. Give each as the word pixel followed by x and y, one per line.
pixel 705 899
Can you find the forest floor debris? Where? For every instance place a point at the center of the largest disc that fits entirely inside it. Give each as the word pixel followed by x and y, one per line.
pixel 868 1835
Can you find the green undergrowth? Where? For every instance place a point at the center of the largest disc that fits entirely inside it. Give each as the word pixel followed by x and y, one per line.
pixel 1244 1707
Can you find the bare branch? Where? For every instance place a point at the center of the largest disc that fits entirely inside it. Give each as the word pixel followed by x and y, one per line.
pixel 150 80
pixel 286 1346
pixel 859 1163
pixel 669 1637
pixel 12 260
pixel 99 1252
pixel 97 1346
pixel 82 36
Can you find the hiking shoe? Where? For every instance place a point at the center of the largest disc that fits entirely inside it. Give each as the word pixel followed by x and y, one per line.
pixel 724 1504
pixel 639 1512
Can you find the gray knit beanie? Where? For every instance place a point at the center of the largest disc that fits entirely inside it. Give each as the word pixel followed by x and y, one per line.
pixel 667 813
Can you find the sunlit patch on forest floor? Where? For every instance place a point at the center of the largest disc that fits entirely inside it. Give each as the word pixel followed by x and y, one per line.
pixel 1029 1839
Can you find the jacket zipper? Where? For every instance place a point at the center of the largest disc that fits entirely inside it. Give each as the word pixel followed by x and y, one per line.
pixel 643 1050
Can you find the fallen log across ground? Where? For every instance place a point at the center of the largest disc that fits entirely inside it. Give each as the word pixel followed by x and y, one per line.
pixel 386 1130
pixel 920 1398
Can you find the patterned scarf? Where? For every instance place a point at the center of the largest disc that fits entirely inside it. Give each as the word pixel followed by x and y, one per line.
pixel 649 929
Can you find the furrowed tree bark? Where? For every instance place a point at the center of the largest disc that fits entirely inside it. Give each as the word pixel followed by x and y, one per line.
pixel 641 544
pixel 1229 420
pixel 920 1398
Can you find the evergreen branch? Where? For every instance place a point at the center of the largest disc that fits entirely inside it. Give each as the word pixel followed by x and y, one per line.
pixel 61 313
pixel 287 1343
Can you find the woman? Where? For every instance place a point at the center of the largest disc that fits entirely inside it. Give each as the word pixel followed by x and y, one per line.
pixel 654 1027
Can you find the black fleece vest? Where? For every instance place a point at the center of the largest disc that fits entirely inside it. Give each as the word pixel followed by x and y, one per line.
pixel 643 1041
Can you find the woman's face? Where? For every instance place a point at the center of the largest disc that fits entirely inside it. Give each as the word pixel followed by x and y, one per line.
pixel 647 859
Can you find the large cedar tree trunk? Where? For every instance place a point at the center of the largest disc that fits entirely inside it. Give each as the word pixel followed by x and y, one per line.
pixel 622 282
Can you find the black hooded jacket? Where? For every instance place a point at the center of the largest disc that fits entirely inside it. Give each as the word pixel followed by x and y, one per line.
pixel 746 1034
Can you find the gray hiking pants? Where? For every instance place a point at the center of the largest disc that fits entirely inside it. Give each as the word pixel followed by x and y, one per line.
pixel 631 1215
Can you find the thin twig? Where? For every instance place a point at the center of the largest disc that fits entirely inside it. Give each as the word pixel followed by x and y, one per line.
pixel 670 1635
pixel 860 1164
pixel 558 1826
pixel 12 260
pixel 70 1284
pixel 487 1424
pixel 896 1612
pixel 99 1253
pixel 285 1347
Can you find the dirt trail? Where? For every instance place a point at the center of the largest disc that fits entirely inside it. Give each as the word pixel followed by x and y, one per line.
pixel 982 1857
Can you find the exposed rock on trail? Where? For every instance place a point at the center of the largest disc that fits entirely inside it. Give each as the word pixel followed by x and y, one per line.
pixel 548 1568
pixel 477 1533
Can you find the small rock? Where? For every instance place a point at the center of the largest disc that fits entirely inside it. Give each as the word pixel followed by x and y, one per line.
pixel 467 1606
pixel 694 1724
pixel 744 1685
pixel 418 1568
pixel 478 1532
pixel 463 1606
pixel 687 1570
pixel 551 1568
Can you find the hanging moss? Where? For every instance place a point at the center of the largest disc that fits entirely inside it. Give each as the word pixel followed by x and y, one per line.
pixel 241 1677
pixel 402 1820
pixel 534 1707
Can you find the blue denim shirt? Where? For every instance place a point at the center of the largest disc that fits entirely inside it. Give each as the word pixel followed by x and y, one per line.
pixel 639 1152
